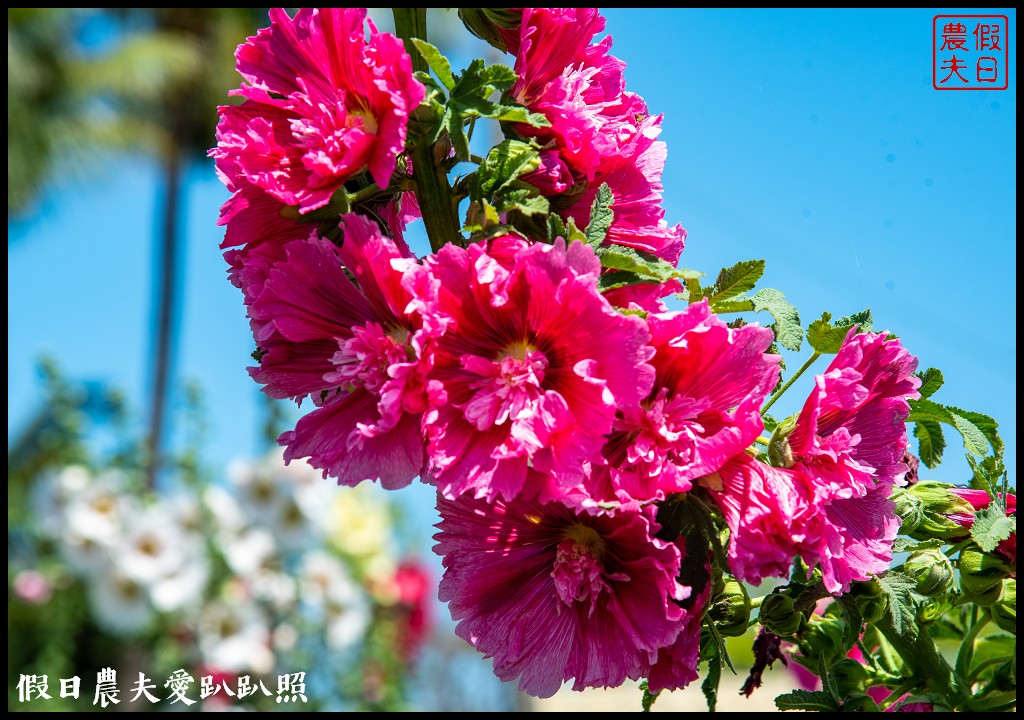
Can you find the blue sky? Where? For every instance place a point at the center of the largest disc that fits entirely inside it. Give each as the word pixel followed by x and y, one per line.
pixel 812 139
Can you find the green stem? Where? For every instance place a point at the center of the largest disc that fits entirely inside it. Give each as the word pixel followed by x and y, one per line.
pixel 784 388
pixel 925 662
pixel 895 695
pixel 437 206
pixel 762 441
pixel 966 653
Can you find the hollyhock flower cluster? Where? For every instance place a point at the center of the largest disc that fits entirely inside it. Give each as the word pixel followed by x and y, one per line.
pixel 563 423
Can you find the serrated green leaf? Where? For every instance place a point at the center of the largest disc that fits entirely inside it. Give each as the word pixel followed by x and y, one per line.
pixel 471 97
pixel 931 380
pixel 736 280
pixel 525 200
pixel 930 442
pixel 901 612
pixel 925 409
pixel 904 544
pixel 480 216
pixel 620 257
pixel 986 425
pixel 714 677
pixel 974 439
pixel 647 701
pixel 732 306
pixel 853 619
pixel 556 227
pixel 601 216
pixel 437 62
pixel 827 337
pixel 817 700
pixel 992 525
pixel 505 162
pixel 787 328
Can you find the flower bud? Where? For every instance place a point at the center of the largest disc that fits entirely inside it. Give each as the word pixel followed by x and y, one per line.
pixel 778 616
pixel 779 452
pixel 850 676
pixel 871 599
pixel 932 570
pixel 1004 611
pixel 821 641
pixel 731 609
pixel 981 575
pixel 929 509
pixel 487 23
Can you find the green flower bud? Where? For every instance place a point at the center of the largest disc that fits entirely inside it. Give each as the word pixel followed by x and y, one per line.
pixel 859 702
pixel 932 570
pixel 778 616
pixel 871 600
pixel 484 23
pixel 981 575
pixel 1004 611
pixel 779 452
pixel 731 609
pixel 926 508
pixel 849 676
pixel 821 639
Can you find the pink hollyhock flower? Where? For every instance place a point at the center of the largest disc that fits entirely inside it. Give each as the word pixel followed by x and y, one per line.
pixel 633 174
pixel 856 415
pixel 979 500
pixel 534 362
pixel 345 326
pixel 831 506
pixel 553 596
pixel 323 104
pixel 704 408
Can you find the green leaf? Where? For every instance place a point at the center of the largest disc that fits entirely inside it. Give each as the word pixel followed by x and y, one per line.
pixel 714 677
pixel 526 200
pixel 854 621
pixel 930 442
pixel 974 439
pixel 479 216
pixel 904 544
pixel 817 700
pixel 931 380
pixel 901 613
pixel 736 280
pixel 556 227
pixel 506 161
pixel 620 257
pixel 733 306
pixel 827 337
pixel 992 525
pixel 647 702
pixel 437 62
pixel 787 329
pixel 470 97
pixel 601 216
pixel 985 425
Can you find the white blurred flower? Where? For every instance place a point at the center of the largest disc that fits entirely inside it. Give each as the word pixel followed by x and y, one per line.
pixel 183 589
pixel 84 554
pixel 99 510
pixel 119 603
pixel 291 527
pixel 51 493
pixel 274 588
pixel 248 551
pixel 259 489
pixel 152 547
pixel 226 512
pixel 234 637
